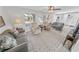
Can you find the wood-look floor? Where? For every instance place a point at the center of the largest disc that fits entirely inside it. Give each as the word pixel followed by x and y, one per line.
pixel 46 41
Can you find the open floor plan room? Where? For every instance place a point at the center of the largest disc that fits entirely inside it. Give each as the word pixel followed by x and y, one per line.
pixel 39 28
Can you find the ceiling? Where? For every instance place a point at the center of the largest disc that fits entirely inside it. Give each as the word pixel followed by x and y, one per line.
pixel 67 8
pixel 45 8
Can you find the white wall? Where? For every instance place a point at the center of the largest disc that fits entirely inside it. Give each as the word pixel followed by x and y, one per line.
pixel 68 21
pixel 14 12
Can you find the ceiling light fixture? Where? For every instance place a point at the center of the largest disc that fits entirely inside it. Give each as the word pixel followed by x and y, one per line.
pixel 50 8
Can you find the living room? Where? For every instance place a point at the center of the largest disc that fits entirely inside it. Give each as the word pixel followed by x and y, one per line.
pixel 39 28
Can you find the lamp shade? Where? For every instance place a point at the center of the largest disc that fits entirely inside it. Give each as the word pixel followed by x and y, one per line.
pixel 18 21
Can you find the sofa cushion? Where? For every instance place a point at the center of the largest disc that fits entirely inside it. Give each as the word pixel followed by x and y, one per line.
pixel 7 41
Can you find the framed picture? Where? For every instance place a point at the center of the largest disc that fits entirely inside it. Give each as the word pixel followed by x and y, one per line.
pixel 2 23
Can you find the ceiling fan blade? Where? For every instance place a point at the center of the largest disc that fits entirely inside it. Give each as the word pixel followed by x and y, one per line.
pixel 57 9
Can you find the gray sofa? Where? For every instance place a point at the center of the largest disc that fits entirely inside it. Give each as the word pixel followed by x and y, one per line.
pixel 58 26
pixel 21 43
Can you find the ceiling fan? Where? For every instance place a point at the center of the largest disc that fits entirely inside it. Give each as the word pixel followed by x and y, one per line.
pixel 52 8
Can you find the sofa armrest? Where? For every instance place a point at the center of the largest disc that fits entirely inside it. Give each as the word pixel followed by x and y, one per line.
pixel 20 48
